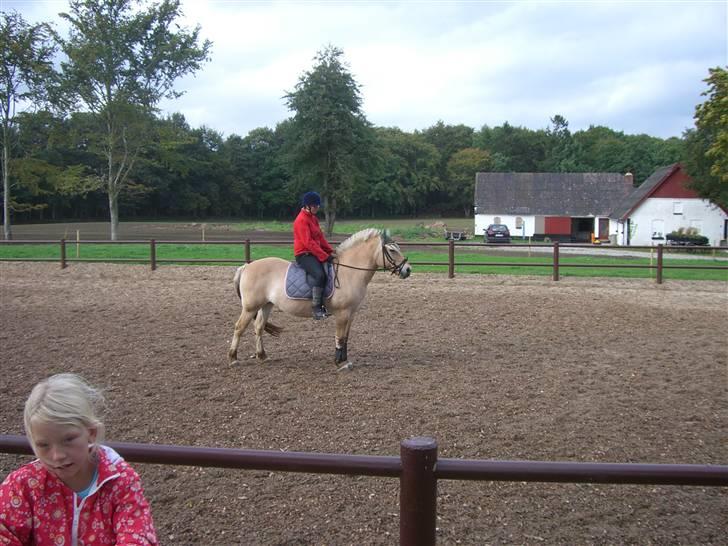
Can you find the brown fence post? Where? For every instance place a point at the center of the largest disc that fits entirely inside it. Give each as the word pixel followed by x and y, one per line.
pixel 63 254
pixel 418 492
pixel 247 251
pixel 658 277
pixel 556 260
pixel 451 259
pixel 153 254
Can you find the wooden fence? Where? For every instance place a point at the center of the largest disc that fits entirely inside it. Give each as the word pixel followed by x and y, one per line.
pixel 418 469
pixel 556 264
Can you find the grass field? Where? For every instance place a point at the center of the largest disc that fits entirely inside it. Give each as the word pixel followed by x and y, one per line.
pixel 590 266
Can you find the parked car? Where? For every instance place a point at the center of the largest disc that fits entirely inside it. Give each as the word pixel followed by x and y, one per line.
pixel 497 233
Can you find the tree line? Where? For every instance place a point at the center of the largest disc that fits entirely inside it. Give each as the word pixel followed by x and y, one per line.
pixel 96 147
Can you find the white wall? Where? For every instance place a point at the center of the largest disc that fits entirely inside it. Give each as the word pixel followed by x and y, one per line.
pixel 482 221
pixel 657 214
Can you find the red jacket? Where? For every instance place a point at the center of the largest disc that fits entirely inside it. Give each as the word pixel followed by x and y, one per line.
pixel 36 508
pixel 308 237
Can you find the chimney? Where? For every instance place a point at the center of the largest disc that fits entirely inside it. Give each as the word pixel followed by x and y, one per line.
pixel 629 178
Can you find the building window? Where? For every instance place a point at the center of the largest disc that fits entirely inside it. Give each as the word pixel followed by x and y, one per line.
pixel 677 207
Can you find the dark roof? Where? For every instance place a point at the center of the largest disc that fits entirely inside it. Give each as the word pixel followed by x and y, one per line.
pixel 556 194
pixel 622 210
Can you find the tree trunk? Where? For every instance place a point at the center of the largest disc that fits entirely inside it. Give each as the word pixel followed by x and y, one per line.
pixel 7 230
pixel 114 215
pixel 329 215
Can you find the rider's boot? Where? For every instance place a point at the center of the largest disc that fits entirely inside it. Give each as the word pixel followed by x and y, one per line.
pixel 316 303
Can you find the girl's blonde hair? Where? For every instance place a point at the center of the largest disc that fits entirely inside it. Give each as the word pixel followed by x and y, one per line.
pixel 64 399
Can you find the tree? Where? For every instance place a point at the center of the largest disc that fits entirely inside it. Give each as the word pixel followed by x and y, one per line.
pixel 707 144
pixel 121 62
pixel 409 172
pixel 50 163
pixel 524 150
pixel 26 52
pixel 462 168
pixel 448 139
pixel 560 155
pixel 330 137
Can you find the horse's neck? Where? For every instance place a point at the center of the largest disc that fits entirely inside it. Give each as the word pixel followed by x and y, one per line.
pixel 364 255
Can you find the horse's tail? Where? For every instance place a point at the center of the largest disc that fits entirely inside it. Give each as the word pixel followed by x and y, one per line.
pixel 236 281
pixel 271 328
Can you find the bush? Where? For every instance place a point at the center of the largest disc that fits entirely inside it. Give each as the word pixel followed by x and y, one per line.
pixel 689 236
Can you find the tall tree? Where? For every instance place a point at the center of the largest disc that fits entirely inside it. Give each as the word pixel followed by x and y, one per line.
pixel 330 134
pixel 26 52
pixel 121 62
pixel 707 144
pixel 560 144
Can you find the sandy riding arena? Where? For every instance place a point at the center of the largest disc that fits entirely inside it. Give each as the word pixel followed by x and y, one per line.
pixel 510 368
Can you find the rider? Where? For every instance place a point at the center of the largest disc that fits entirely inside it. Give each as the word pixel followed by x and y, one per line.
pixel 311 250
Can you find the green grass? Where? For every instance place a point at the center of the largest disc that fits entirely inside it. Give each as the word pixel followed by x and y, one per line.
pixel 200 253
pixel 404 228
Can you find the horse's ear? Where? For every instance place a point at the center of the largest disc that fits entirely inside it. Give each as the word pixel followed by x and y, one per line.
pixel 387 236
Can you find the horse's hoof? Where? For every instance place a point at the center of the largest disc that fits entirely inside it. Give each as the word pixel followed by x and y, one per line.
pixel 261 357
pixel 234 362
pixel 347 366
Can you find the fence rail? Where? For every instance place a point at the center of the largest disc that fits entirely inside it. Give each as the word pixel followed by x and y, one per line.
pixel 556 264
pixel 417 468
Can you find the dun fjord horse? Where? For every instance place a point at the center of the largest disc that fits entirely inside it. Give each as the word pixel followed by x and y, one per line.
pixel 261 286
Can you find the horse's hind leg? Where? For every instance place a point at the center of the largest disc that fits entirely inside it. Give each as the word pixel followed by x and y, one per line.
pixel 240 326
pixel 260 321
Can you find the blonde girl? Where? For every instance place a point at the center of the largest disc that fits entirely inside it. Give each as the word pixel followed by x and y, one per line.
pixel 77 491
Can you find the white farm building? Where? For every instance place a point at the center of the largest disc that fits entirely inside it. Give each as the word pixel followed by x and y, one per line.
pixel 582 207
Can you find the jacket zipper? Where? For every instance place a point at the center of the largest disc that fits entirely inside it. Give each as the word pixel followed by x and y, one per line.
pixel 78 507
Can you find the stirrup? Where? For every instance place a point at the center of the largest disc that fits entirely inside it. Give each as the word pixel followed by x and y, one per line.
pixel 318 312
pixel 325 311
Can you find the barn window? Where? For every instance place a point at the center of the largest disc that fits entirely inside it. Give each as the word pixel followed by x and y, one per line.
pixel 519 222
pixel 496 220
pixel 677 207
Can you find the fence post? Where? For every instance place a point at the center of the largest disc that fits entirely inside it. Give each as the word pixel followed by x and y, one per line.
pixel 63 254
pixel 659 264
pixel 556 260
pixel 418 492
pixel 451 259
pixel 247 251
pixel 153 254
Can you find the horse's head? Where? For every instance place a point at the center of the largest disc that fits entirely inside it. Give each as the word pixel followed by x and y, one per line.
pixel 392 257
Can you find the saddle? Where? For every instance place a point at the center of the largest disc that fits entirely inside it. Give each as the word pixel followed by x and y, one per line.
pixel 298 282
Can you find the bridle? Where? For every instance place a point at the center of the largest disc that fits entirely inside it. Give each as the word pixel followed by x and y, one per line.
pixel 387 259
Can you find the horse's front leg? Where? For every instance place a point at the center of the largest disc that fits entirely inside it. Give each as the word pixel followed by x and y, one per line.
pixel 240 326
pixel 343 324
pixel 260 321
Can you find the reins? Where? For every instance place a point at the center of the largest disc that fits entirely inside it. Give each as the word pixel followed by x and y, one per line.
pixel 386 257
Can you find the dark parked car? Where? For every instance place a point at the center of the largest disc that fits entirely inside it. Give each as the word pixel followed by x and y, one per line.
pixel 497 233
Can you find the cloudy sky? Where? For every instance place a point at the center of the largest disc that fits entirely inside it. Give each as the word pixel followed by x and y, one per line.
pixel 633 66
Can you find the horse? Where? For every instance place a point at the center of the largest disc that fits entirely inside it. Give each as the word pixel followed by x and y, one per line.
pixel 260 285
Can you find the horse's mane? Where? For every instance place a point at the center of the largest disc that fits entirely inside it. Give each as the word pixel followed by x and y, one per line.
pixel 359 237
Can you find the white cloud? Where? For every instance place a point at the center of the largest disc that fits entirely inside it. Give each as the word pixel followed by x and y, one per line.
pixel 635 66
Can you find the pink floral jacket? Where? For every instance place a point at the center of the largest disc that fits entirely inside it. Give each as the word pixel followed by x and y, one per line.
pixel 36 508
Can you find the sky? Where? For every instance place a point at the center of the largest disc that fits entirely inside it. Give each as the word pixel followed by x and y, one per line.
pixel 633 66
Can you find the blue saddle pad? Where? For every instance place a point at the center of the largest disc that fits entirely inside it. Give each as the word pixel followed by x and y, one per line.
pixel 298 287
